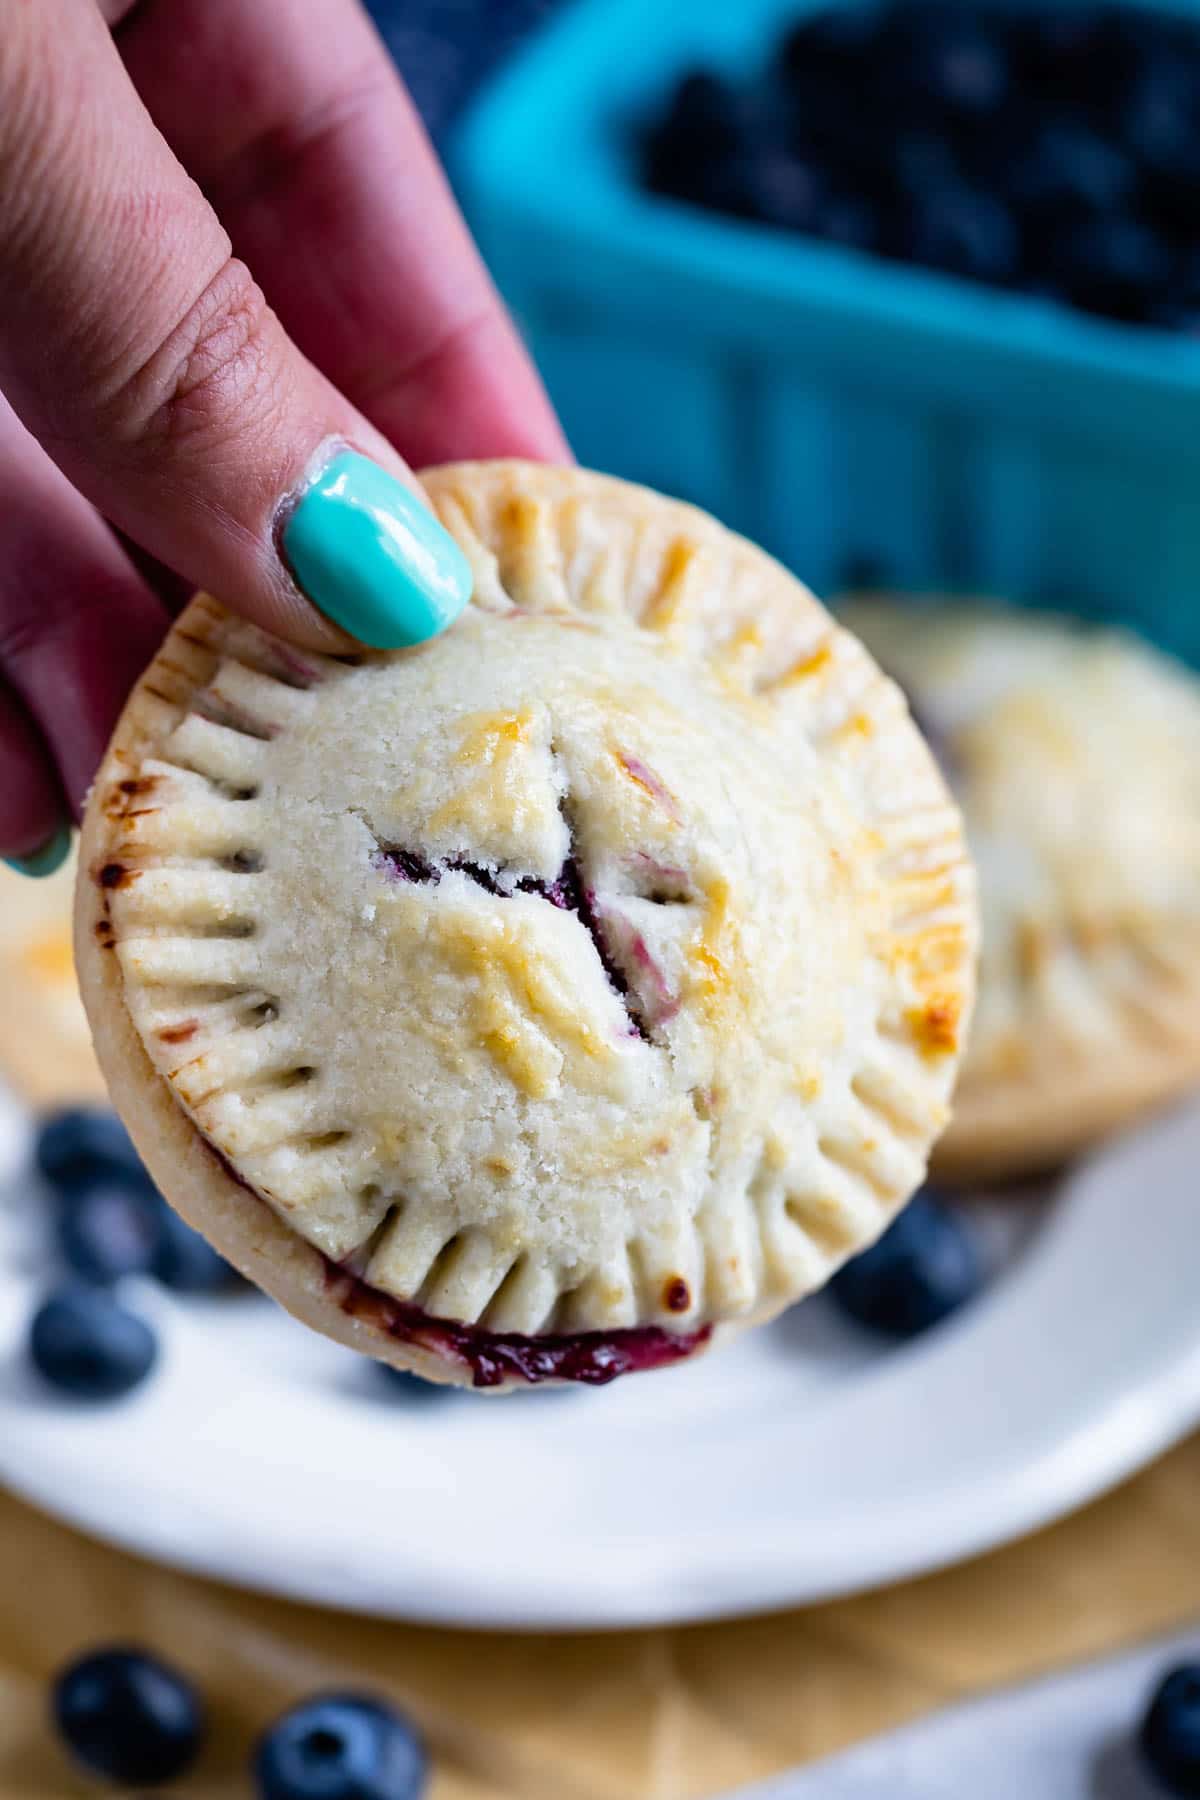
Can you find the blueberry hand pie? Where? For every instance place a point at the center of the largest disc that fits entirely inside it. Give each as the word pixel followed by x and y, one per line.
pixel 1075 754
pixel 534 1003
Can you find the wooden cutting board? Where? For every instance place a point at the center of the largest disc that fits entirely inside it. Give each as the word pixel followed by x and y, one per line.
pixel 655 1715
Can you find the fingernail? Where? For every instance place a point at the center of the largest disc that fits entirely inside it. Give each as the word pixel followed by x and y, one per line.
pixel 51 856
pixel 372 558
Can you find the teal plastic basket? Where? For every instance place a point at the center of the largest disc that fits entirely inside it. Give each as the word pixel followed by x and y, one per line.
pixel 861 419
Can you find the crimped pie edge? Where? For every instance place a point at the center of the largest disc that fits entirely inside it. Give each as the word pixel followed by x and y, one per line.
pixel 271 1252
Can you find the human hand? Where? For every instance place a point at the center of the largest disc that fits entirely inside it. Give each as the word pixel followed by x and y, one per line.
pixel 227 256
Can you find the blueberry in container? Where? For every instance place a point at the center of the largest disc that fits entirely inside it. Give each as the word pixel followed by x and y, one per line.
pixel 845 408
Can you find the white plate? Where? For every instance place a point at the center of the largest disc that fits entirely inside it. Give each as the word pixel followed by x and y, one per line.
pixel 803 1462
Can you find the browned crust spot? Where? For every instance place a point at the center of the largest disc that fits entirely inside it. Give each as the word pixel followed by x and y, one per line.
pixel 179 1034
pixel 935 1026
pixel 676 1294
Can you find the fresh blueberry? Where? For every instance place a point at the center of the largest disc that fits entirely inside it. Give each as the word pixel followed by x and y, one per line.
pixel 83 1144
pixel 1086 53
pixel 948 59
pixel 707 113
pixel 1114 265
pixel 341 1747
pixel 1170 1734
pixel 962 231
pixel 783 188
pixel 1179 307
pixel 82 1342
pixel 923 163
pixel 128 1717
pixel 185 1261
pixel 109 1230
pixel 846 219
pixel 404 1385
pixel 1161 116
pixel 703 127
pixel 922 1269
pixel 829 43
pixel 1070 168
pixel 1173 314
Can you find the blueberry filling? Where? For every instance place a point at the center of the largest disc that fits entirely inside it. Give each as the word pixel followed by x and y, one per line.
pixel 494 1357
pixel 568 892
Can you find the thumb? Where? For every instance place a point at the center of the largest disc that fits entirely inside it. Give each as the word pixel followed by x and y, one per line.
pixel 144 357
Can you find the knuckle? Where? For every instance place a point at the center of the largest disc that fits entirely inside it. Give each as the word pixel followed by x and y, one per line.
pixel 212 377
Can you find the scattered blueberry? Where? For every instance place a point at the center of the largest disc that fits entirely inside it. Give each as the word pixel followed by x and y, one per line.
pixel 128 1717
pixel 341 1747
pixel 407 1386
pixel 922 1269
pixel 185 1261
pixel 85 1344
pixel 1170 1734
pixel 109 1230
pixel 86 1144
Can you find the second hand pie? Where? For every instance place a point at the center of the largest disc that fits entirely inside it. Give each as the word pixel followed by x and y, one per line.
pixel 536 1003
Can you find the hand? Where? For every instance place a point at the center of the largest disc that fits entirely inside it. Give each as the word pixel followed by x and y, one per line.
pixel 227 257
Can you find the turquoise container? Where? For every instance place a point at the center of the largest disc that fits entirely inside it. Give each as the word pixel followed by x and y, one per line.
pixel 863 420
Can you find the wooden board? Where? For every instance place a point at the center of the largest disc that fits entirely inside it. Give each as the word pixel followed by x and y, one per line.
pixel 657 1715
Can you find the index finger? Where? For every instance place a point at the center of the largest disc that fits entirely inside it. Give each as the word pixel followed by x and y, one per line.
pixel 296 125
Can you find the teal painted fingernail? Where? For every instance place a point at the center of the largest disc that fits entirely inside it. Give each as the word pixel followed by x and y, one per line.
pixel 373 558
pixel 52 855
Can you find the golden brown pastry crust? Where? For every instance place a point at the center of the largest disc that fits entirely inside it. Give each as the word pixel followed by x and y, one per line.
pixel 633 689
pixel 1075 754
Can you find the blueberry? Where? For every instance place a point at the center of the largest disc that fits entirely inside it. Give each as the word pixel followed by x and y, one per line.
pixel 782 188
pixel 1070 168
pixel 341 1747
pixel 404 1385
pixel 923 1267
pixel 1161 116
pixel 702 128
pixel 829 43
pixel 923 162
pixel 948 59
pixel 109 1230
pixel 85 1144
pixel 1178 315
pixel 845 219
pixel 185 1261
pixel 1179 307
pixel 128 1717
pixel 1170 1734
pixel 1086 53
pixel 707 114
pixel 82 1342
pixel 1115 266
pixel 962 231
